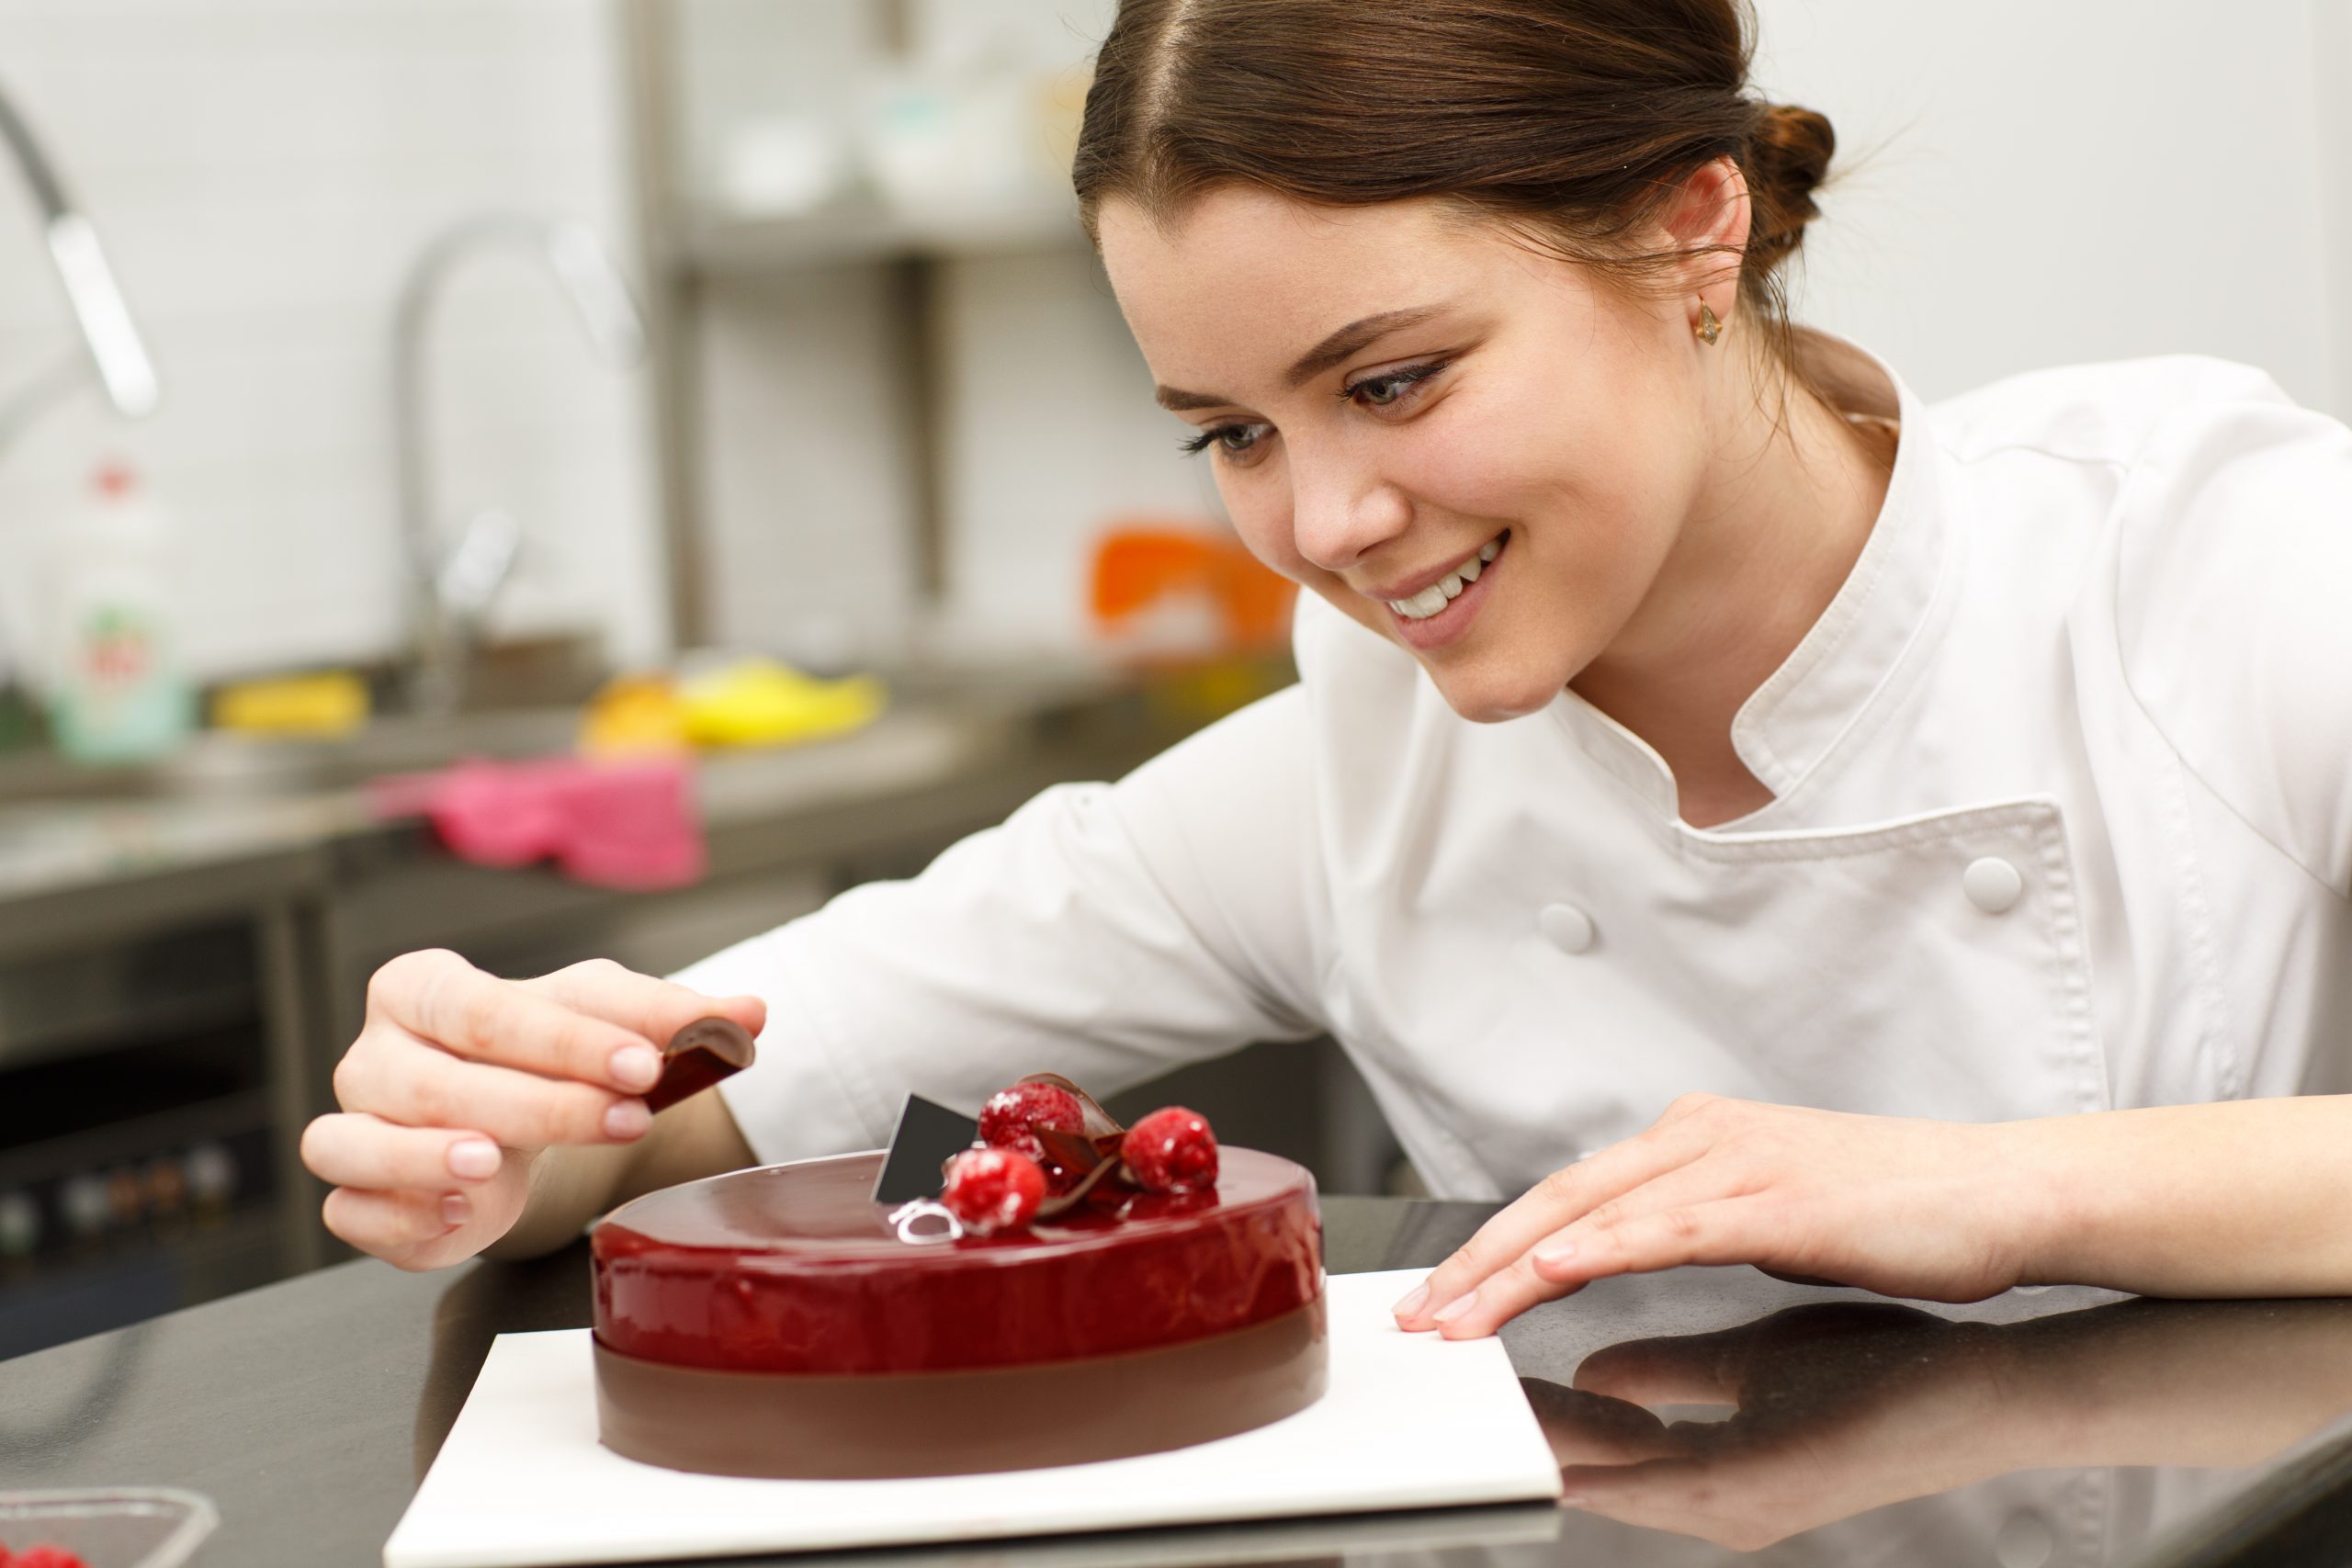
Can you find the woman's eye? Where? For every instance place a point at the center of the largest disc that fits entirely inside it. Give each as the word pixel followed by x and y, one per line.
pixel 1390 386
pixel 1234 443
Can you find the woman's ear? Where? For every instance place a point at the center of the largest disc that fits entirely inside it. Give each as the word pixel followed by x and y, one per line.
pixel 1708 220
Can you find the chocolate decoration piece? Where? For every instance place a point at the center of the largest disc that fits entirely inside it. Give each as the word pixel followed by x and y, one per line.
pixel 1072 1151
pixel 698 1056
pixel 928 1135
pixel 798 1426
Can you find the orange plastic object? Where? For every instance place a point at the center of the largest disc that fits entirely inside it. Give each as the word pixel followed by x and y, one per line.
pixel 1145 570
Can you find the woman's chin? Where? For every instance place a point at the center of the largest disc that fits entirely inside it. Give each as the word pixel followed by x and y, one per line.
pixel 1490 697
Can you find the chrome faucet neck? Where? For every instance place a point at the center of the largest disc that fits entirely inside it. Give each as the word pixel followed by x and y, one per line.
pixel 446 607
pixel 117 351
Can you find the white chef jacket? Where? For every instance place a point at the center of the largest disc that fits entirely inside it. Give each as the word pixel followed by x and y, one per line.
pixel 2062 821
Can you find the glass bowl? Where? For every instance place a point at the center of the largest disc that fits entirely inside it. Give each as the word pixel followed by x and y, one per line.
pixel 110 1527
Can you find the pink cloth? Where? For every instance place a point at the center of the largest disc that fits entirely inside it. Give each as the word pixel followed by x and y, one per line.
pixel 627 825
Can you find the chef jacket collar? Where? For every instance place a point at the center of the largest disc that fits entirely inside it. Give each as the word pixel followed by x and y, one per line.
pixel 1792 722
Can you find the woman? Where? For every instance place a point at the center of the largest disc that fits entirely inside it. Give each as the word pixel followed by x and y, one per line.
pixel 1910 845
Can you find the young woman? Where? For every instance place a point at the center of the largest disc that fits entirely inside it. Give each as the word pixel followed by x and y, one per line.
pixel 1904 846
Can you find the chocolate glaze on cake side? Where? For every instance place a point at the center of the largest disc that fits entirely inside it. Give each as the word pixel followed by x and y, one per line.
pixel 773 1322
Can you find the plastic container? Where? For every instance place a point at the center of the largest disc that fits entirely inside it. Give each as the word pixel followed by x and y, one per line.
pixel 111 1527
pixel 116 690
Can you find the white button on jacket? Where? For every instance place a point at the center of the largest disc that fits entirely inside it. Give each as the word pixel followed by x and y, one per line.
pixel 2062 821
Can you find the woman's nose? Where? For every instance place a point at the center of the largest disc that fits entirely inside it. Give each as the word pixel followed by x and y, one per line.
pixel 1339 516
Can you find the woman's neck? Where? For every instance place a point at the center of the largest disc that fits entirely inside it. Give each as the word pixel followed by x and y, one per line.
pixel 1775 531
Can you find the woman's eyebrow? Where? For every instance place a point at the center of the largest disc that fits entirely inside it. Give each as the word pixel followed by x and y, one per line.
pixel 1335 349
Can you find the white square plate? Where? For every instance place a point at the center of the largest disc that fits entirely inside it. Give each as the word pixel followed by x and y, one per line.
pixel 1411 1421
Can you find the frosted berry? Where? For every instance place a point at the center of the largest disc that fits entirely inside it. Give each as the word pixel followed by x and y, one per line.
pixel 1012 1117
pixel 993 1190
pixel 1171 1150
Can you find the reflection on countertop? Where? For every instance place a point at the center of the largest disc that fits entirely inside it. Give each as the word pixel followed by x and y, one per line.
pixel 1855 1424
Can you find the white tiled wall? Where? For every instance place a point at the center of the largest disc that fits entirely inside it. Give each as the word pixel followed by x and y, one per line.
pixel 262 172
pixel 807 474
pixel 2036 183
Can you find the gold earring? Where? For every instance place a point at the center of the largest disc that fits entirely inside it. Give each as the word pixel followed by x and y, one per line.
pixel 1709 329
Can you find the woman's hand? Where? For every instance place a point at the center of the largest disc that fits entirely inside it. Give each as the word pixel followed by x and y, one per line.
pixel 1935 1210
pixel 459 1080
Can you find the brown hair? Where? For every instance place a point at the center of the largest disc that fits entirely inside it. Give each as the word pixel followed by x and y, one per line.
pixel 1575 121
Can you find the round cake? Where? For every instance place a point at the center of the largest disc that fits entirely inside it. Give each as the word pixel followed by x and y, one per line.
pixel 778 1322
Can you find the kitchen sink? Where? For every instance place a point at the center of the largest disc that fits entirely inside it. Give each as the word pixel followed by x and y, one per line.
pixel 222 764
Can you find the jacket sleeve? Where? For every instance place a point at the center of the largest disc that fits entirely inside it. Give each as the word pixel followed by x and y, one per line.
pixel 1105 931
pixel 2233 608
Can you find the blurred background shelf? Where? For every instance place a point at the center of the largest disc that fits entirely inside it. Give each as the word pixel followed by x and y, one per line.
pixel 719 245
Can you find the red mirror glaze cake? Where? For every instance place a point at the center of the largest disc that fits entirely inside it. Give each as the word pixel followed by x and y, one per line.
pixel 776 1322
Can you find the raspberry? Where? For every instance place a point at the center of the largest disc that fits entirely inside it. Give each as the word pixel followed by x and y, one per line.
pixel 993 1190
pixel 1171 1150
pixel 1012 1116
pixel 44 1555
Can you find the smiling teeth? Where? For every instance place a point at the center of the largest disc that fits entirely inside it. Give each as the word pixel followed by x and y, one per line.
pixel 1433 598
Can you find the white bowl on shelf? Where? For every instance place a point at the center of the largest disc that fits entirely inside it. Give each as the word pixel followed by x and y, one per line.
pixel 110 1527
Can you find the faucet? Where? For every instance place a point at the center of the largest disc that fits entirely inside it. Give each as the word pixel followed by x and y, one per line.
pixel 450 590
pixel 116 349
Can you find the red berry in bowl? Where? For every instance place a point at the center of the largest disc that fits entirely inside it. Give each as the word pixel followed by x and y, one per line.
pixel 1012 1116
pixel 1171 1150
pixel 993 1190
pixel 45 1554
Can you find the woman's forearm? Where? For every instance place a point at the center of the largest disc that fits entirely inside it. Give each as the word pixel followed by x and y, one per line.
pixel 2244 1198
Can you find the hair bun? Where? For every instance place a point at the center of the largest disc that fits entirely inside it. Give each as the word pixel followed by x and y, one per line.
pixel 1789 157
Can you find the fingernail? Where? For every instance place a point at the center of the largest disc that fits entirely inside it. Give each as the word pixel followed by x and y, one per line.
pixel 1455 1308
pixel 1413 1302
pixel 455 1210
pixel 636 1066
pixel 1553 1256
pixel 628 1120
pixel 474 1159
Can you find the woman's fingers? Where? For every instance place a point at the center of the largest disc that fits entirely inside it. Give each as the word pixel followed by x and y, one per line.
pixel 440 997
pixel 1730 1230
pixel 1560 1197
pixel 411 1083
pixel 653 1009
pixel 395 1227
pixel 358 1150
pixel 1529 1278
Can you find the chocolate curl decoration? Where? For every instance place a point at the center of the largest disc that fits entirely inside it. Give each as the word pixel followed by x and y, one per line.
pixel 698 1056
pixel 1100 1124
pixel 1074 1151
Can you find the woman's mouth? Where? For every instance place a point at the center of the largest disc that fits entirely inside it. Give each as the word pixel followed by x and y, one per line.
pixel 1442 611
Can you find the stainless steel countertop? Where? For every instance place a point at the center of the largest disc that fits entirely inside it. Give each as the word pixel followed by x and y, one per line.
pixel 2060 1429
